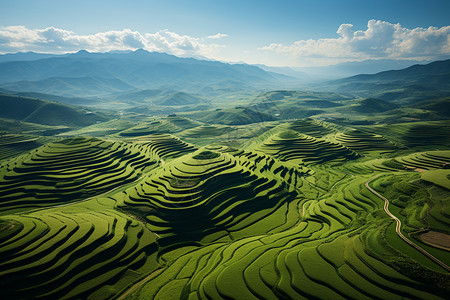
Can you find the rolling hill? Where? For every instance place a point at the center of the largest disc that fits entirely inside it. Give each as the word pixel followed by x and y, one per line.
pixel 45 112
pixel 371 105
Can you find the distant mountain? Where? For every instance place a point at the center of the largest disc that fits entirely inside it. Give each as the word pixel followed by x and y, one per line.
pixel 285 71
pixel 94 74
pixel 431 72
pixel 46 112
pixel 71 86
pixel 412 84
pixel 60 99
pixel 179 99
pixel 352 68
pixel 158 97
pixel 24 56
pixel 141 95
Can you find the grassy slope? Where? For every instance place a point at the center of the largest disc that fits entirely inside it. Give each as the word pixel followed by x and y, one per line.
pixel 45 112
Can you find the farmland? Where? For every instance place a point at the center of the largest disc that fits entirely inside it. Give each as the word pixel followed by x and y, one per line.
pixel 282 211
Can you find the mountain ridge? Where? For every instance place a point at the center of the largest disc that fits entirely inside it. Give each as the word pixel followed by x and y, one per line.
pixel 139 69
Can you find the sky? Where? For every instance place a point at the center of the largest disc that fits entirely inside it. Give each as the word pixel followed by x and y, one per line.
pixel 292 33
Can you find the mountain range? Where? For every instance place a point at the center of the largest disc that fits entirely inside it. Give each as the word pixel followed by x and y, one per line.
pixel 85 74
pixel 415 83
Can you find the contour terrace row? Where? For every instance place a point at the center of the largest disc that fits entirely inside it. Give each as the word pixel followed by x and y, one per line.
pixel 73 253
pixel 166 145
pixel 323 249
pixel 69 170
pixel 310 127
pixel 292 146
pixel 206 195
pixel 361 141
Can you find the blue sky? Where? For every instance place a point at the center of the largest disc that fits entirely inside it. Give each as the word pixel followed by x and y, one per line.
pixel 295 33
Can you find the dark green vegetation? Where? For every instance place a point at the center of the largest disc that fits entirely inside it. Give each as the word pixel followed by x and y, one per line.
pixel 44 112
pixel 258 199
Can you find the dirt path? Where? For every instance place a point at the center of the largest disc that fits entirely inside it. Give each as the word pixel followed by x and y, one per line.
pixel 399 224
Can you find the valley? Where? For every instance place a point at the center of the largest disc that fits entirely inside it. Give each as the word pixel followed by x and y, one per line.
pixel 214 187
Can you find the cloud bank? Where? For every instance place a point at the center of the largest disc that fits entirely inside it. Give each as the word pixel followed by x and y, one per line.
pixel 56 40
pixel 380 40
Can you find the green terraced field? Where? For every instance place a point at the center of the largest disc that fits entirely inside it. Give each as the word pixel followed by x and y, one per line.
pixel 73 253
pixel 70 170
pixel 166 145
pixel 151 216
pixel 14 144
pixel 361 141
pixel 311 127
pixel 290 145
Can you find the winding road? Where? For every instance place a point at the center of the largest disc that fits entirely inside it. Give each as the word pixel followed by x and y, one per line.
pixel 399 224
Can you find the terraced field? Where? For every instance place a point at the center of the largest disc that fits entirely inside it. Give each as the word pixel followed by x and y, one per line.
pixel 206 195
pixel 14 144
pixel 427 134
pixel 73 253
pixel 290 145
pixel 288 217
pixel 70 170
pixel 432 135
pixel 425 160
pixel 311 127
pixel 362 141
pixel 153 127
pixel 320 253
pixel 166 145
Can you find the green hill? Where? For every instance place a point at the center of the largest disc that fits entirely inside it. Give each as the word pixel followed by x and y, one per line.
pixel 45 112
pixel 441 106
pixel 233 116
pixel 371 105
pixel 178 99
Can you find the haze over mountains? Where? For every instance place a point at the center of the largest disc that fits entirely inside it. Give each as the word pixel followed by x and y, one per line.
pixel 160 84
pixel 85 74
pixel 95 74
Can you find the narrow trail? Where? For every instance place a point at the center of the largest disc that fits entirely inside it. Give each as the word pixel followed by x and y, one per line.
pixel 399 224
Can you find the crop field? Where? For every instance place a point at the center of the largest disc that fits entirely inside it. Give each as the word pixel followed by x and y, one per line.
pixel 72 252
pixel 361 141
pixel 171 208
pixel 70 170
pixel 290 145
pixel 14 144
pixel 311 127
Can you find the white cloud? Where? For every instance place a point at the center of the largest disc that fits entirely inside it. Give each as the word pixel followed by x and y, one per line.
pixel 217 36
pixel 380 40
pixel 56 40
